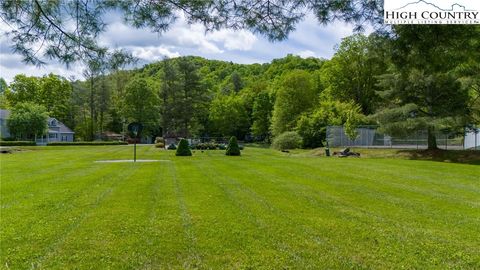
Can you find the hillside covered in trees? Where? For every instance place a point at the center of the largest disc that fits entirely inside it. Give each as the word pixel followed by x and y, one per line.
pixel 387 81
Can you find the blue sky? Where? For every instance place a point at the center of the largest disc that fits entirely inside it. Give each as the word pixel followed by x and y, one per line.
pixel 309 39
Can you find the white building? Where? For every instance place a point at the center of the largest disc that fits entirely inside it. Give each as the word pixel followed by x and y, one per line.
pixel 57 131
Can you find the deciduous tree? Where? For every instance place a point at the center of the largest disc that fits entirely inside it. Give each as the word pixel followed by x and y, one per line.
pixel 295 95
pixel 27 121
pixel 141 104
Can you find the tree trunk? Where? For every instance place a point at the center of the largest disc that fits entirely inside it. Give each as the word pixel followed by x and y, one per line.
pixel 92 113
pixel 432 140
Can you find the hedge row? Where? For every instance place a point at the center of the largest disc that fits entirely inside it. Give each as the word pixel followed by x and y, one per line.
pixel 208 146
pixel 85 143
pixel 17 143
pixel 211 146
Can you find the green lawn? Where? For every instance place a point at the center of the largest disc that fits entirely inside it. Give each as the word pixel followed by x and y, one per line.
pixel 263 210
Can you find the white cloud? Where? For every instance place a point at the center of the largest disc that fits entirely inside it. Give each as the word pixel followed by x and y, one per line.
pixel 11 65
pixel 192 36
pixel 151 53
pixel 311 39
pixel 306 54
pixel 241 40
pixel 180 35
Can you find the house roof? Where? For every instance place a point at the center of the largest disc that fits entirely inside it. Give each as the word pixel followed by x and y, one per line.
pixel 65 129
pixel 62 127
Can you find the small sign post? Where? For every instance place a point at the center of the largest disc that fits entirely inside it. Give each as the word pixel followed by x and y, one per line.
pixel 135 128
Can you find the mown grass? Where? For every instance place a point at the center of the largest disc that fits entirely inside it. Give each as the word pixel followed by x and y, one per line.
pixel 455 156
pixel 262 210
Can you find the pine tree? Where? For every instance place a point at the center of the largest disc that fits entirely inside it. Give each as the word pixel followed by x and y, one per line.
pixel 232 148
pixel 183 149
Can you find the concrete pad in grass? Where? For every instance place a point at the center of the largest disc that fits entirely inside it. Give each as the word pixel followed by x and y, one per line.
pixel 129 160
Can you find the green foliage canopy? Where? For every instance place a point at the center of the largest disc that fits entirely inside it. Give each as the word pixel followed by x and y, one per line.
pixel 228 115
pixel 296 94
pixel 351 75
pixel 51 91
pixel 141 104
pixel 421 90
pixel 27 120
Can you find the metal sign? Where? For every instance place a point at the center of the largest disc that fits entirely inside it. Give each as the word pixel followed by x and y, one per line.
pixel 136 129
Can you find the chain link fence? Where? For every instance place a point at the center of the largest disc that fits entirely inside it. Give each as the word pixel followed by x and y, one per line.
pixel 369 137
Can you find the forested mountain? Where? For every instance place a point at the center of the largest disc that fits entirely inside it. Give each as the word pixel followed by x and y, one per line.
pixel 186 97
pixel 376 79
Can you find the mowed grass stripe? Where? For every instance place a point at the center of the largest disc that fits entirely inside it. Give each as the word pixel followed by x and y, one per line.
pixel 280 197
pixel 226 233
pixel 103 234
pixel 369 177
pixel 263 210
pixel 351 209
pixel 165 243
pixel 293 213
pixel 271 247
pixel 42 186
pixel 47 226
pixel 18 173
pixel 284 241
pixel 372 188
pixel 193 259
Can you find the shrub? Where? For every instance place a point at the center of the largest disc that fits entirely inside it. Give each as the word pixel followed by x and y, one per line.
pixel 172 146
pixel 211 146
pixel 183 149
pixel 232 148
pixel 159 140
pixel 86 143
pixel 199 146
pixel 206 146
pixel 159 145
pixel 287 140
pixel 17 143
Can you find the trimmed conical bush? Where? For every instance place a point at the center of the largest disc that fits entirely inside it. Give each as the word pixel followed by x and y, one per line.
pixel 232 148
pixel 183 149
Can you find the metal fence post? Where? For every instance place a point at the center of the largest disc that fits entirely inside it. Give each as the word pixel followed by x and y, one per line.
pixel 416 138
pixel 446 142
pixel 476 135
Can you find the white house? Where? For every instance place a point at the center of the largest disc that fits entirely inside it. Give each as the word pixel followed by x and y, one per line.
pixel 57 131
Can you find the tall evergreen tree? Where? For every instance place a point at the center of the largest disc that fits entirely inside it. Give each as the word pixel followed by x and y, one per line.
pixel 422 91
pixel 170 87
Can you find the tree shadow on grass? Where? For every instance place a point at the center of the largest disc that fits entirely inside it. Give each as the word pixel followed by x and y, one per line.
pixel 454 156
